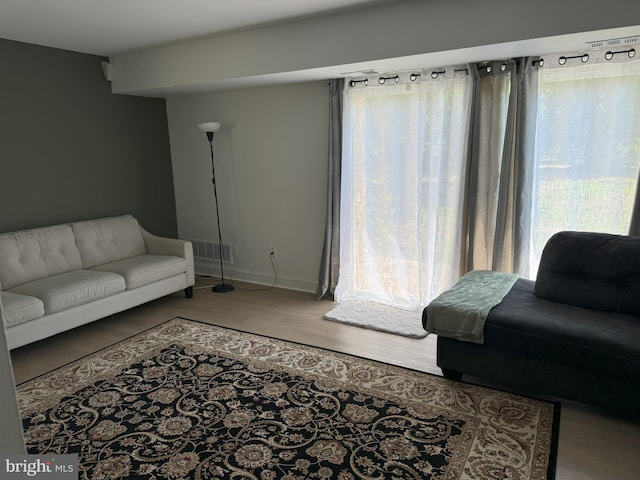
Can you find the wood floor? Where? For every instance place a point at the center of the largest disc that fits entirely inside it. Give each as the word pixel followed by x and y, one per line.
pixel 593 445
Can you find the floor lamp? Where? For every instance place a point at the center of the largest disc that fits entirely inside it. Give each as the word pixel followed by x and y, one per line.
pixel 209 129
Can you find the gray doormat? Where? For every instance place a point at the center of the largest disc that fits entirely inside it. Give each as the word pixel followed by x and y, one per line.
pixel 379 317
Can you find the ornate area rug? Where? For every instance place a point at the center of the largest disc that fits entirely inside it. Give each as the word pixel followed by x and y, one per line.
pixel 380 317
pixel 191 400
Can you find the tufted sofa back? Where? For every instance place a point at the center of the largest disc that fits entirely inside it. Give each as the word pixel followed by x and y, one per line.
pixel 108 240
pixel 33 254
pixel 591 270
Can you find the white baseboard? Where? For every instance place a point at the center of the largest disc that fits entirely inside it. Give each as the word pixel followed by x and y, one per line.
pixel 212 269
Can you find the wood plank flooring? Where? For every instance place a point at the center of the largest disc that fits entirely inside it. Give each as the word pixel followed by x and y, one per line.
pixel 593 445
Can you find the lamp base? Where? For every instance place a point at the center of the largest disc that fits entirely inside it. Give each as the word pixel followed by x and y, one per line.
pixel 222 288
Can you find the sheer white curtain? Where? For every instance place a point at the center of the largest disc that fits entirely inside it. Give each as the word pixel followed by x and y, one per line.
pixel 587 147
pixel 403 178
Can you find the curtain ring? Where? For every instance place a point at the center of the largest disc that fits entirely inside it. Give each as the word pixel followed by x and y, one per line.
pixel 585 58
pixel 631 53
pixel 382 80
pixel 562 60
pixel 353 83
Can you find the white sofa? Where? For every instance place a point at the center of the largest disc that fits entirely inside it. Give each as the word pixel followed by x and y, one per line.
pixel 56 278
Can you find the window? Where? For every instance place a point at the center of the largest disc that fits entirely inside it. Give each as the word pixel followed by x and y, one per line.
pixel 587 151
pixel 405 191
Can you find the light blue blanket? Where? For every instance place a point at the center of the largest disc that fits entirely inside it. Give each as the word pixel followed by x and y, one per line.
pixel 461 311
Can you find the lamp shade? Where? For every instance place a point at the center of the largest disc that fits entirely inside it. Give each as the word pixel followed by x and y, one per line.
pixel 209 127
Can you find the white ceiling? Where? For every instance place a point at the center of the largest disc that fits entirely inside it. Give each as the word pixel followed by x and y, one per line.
pixel 107 27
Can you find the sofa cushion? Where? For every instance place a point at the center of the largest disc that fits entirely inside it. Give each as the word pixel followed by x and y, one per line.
pixel 68 290
pixel 20 308
pixel 38 253
pixel 108 240
pixel 145 269
pixel 591 340
pixel 592 270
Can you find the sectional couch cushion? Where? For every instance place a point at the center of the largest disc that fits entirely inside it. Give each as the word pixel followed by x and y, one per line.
pixel 20 308
pixel 145 269
pixel 594 340
pixel 34 254
pixel 592 270
pixel 68 290
pixel 108 240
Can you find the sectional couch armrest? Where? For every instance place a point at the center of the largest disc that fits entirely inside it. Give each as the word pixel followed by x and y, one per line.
pixel 171 246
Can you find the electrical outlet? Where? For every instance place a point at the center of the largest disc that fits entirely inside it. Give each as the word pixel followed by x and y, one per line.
pixel 273 252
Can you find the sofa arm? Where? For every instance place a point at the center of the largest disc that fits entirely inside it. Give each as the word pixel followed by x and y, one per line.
pixel 171 246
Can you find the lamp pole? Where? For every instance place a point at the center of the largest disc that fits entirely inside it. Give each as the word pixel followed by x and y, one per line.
pixel 209 129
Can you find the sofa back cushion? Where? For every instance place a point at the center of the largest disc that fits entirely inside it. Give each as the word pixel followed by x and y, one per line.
pixel 592 270
pixel 108 240
pixel 37 253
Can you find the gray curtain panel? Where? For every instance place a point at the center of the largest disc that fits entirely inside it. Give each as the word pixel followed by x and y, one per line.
pixel 499 190
pixel 634 228
pixel 330 261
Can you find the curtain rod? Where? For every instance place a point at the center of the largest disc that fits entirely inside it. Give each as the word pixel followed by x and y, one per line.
pixel 631 52
pixel 435 73
pixel 383 79
pixel 584 57
pixel 413 76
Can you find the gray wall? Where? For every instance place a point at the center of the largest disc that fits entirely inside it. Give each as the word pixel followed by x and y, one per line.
pixel 271 175
pixel 72 150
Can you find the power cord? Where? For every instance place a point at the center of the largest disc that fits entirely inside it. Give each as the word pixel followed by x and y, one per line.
pixel 275 277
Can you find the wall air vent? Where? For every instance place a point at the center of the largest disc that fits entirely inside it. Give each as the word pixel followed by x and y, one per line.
pixel 211 251
pixel 614 42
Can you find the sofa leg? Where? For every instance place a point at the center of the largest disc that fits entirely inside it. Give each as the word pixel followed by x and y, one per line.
pixel 188 292
pixel 451 374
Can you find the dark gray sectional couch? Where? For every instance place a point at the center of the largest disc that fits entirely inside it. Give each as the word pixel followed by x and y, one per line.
pixel 573 333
